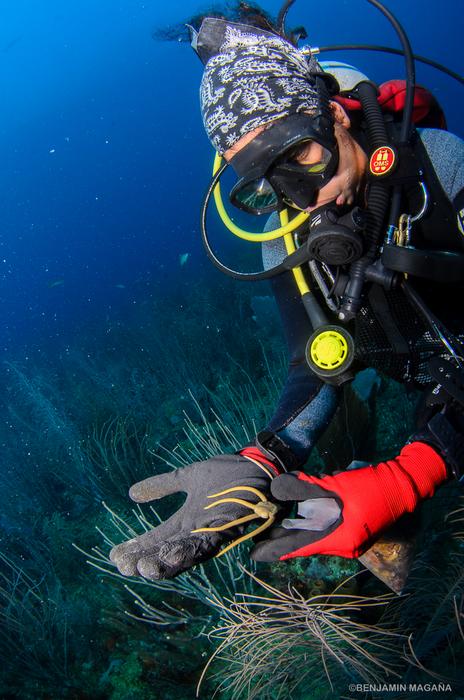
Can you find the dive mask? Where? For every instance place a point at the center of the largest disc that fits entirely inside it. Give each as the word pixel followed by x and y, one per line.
pixel 271 176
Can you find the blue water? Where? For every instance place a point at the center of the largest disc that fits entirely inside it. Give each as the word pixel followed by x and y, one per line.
pixel 103 168
pixel 103 158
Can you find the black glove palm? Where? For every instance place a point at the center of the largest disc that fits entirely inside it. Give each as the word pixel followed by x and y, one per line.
pixel 172 548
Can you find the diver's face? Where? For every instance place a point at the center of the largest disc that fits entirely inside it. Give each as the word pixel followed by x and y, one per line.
pixel 345 185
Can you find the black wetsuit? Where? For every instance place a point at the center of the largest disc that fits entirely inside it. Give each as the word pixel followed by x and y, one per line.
pixel 307 405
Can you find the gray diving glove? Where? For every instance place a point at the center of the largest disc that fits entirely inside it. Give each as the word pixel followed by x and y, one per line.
pixel 224 493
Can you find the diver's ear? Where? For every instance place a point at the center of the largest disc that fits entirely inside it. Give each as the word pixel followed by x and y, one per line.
pixel 340 116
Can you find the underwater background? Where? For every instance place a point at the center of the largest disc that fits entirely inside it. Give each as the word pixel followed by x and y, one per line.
pixel 124 352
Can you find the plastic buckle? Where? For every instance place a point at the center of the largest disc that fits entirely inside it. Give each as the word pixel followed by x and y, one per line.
pixel 450 381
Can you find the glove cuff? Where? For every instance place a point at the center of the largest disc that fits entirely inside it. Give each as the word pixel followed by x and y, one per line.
pixel 277 451
pixel 271 450
pixel 256 455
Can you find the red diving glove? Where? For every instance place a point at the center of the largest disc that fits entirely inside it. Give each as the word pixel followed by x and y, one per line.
pixel 357 505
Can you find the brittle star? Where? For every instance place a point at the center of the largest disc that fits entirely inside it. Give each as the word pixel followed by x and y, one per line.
pixel 263 509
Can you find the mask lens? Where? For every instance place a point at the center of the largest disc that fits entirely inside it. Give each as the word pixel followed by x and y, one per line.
pixel 315 168
pixel 257 196
pixel 311 156
pixel 302 172
pixel 294 178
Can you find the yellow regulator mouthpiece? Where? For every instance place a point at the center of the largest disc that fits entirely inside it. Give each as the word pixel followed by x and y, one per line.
pixel 249 235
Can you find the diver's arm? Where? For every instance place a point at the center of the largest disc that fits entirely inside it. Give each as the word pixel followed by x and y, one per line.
pixel 306 405
pixel 358 505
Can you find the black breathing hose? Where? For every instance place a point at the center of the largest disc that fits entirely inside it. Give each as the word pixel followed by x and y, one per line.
pixel 379 195
pixel 406 124
pixel 377 205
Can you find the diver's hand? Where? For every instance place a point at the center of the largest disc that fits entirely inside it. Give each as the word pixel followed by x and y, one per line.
pixel 172 547
pixel 359 504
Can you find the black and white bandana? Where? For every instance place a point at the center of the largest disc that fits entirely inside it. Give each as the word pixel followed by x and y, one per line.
pixel 251 78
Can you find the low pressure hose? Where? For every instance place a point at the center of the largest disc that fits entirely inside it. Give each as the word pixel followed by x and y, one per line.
pixel 410 69
pixel 387 49
pixel 288 228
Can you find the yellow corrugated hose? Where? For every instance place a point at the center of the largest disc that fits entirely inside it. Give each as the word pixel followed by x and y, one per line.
pixel 248 235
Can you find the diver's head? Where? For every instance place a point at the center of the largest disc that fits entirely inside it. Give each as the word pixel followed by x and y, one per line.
pixel 317 180
pixel 257 83
pixel 284 163
pixel 261 93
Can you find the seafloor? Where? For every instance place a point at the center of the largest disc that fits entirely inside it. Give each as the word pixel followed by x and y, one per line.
pixel 132 399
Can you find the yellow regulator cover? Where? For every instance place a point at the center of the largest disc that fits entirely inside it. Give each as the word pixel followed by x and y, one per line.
pixel 329 350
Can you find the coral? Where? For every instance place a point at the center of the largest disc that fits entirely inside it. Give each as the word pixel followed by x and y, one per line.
pixel 201 584
pixel 275 643
pixel 430 611
pixel 84 424
pixel 118 455
pixel 34 633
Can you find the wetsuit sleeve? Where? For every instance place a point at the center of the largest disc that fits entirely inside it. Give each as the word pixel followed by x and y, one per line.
pixel 306 405
pixel 446 153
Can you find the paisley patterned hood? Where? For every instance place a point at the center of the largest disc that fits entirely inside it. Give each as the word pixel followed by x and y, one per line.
pixel 251 78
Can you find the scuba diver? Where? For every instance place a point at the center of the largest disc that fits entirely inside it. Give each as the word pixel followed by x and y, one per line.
pixel 364 248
